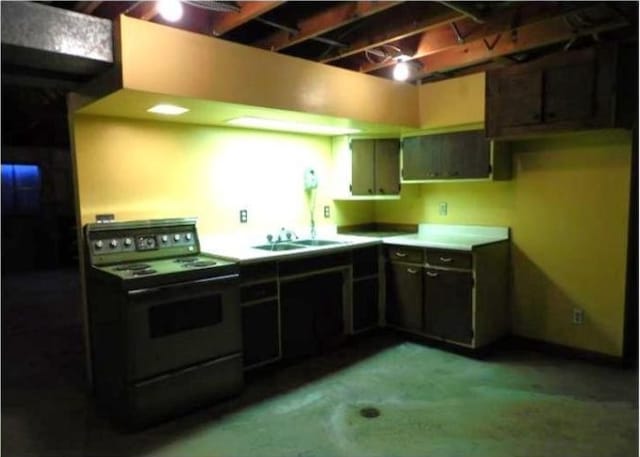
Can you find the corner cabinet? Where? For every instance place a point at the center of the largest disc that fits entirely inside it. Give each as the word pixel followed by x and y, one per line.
pixel 454 156
pixel 575 90
pixel 459 297
pixel 366 169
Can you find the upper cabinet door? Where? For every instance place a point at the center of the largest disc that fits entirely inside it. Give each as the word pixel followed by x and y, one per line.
pixel 422 157
pixel 362 163
pixel 515 98
pixel 386 168
pixel 467 155
pixel 569 92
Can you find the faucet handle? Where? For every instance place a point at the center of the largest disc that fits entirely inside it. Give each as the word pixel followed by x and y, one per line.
pixel 269 237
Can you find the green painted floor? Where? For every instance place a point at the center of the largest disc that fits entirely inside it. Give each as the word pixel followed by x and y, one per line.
pixel 431 402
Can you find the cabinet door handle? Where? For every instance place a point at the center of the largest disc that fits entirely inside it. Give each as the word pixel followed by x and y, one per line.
pixel 431 274
pixel 370 191
pixel 446 259
pixel 551 115
pixel 381 190
pixel 412 271
pixel 536 117
pixel 401 254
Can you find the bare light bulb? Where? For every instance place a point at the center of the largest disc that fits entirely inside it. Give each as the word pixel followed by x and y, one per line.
pixel 171 10
pixel 401 71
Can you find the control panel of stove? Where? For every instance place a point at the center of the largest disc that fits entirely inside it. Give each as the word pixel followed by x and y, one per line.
pixel 147 242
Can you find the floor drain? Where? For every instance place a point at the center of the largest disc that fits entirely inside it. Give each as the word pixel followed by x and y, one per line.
pixel 369 413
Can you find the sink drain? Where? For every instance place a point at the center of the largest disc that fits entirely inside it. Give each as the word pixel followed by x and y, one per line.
pixel 370 412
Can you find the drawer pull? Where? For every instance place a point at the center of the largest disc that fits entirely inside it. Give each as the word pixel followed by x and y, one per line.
pixel 412 271
pixel 446 259
pixel 431 274
pixel 401 254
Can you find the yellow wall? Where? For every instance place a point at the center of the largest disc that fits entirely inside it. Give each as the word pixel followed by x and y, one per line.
pixel 567 206
pixel 142 169
pixel 166 60
pixel 452 102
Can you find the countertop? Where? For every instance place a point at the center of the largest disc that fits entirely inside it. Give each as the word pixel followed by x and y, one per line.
pixel 458 237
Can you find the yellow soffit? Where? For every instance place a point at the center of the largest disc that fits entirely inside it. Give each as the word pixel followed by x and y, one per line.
pixel 162 60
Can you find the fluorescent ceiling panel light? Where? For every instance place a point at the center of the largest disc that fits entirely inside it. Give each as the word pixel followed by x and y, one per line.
pixel 289 126
pixel 169 110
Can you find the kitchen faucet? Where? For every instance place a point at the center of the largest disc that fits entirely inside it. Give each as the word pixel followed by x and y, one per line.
pixel 283 235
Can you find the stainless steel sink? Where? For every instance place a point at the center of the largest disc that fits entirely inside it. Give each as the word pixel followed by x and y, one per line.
pixel 318 242
pixel 280 247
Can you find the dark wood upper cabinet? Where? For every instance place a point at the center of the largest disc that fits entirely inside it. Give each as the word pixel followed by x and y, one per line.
pixel 447 156
pixel 375 166
pixel 573 90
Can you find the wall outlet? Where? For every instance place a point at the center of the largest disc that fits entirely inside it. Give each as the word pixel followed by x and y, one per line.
pixel 578 316
pixel 442 208
pixel 327 211
pixel 243 216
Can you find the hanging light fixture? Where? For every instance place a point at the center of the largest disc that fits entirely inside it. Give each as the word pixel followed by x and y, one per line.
pixel 171 10
pixel 401 71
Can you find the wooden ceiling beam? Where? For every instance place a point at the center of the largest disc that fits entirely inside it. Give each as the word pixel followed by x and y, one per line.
pixel 399 33
pixel 323 22
pixel 466 30
pixel 86 7
pixel 525 38
pixel 227 21
pixel 143 10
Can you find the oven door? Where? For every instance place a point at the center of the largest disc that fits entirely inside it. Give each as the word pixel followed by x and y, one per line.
pixel 171 327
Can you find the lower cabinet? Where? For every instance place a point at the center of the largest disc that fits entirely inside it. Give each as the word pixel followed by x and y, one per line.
pixel 448 305
pixel 456 296
pixel 365 303
pixel 365 288
pixel 311 314
pixel 404 295
pixel 260 338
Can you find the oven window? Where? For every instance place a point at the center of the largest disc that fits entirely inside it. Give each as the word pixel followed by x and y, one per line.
pixel 180 316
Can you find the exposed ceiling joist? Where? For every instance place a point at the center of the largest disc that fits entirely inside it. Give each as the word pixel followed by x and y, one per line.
pixel 466 30
pixel 225 22
pixel 526 38
pixel 323 22
pixel 86 7
pixel 143 10
pixel 381 38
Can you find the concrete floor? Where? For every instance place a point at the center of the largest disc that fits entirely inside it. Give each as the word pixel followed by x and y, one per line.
pixel 431 402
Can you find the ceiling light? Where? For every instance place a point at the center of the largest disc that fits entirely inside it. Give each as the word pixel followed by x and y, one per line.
pixel 401 71
pixel 405 67
pixel 171 10
pixel 169 110
pixel 289 126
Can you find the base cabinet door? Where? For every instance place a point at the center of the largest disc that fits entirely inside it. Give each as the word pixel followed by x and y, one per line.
pixel 404 296
pixel 448 305
pixel 311 314
pixel 297 321
pixel 260 337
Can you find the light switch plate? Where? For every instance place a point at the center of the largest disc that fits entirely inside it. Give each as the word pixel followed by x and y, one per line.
pixel 327 211
pixel 243 216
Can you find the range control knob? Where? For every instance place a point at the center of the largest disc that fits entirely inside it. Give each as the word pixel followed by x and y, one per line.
pixel 188 236
pixel 98 244
pixel 127 242
pixel 113 244
pixel 164 238
pixel 176 237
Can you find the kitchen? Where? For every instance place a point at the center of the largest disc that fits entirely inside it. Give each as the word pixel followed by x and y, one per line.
pixel 566 204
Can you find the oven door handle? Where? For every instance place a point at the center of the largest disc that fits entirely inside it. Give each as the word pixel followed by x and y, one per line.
pixel 207 281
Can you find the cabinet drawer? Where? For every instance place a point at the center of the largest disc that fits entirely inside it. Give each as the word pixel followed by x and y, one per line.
pixel 258 291
pixel 404 254
pixel 255 271
pixel 447 258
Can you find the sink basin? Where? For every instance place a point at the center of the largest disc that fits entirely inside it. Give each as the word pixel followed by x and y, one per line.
pixel 317 242
pixel 279 247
